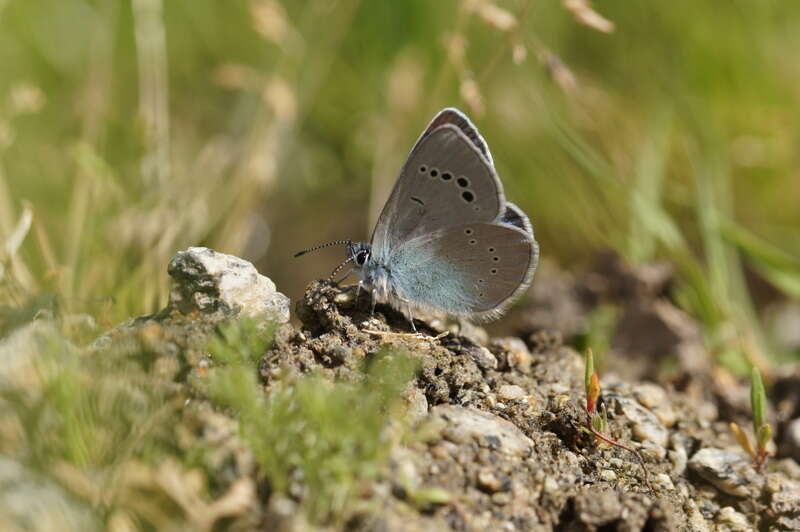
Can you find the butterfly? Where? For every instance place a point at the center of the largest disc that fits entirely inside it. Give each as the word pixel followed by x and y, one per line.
pixel 447 239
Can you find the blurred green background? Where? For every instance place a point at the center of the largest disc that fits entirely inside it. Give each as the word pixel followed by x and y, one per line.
pixel 132 129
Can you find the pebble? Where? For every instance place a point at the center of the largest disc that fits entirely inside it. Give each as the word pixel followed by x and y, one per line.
pixel 502 499
pixel 694 518
pixel 663 481
pixel 791 438
pixel 550 485
pixel 608 475
pixel 517 353
pixel 678 459
pixel 417 405
pixel 511 392
pixel 482 357
pixel 491 482
pixel 644 424
pixel 784 495
pixel 650 395
pixel 729 520
pixel 722 469
pixel 464 425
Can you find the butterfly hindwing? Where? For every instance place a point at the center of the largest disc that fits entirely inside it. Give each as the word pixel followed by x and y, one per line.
pixel 473 270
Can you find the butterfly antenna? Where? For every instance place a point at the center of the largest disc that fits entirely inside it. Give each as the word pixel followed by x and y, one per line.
pixel 339 268
pixel 315 248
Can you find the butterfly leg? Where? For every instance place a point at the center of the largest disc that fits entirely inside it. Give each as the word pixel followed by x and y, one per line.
pixel 410 317
pixel 374 302
pixel 343 278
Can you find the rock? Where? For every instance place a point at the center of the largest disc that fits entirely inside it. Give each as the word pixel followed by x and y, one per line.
pixel 608 475
pixel 694 517
pixel 649 395
pixel 729 520
pixel 468 424
pixel 723 469
pixel 791 439
pixel 222 286
pixel 482 357
pixel 491 482
pixel 417 405
pixel 663 481
pixel 510 392
pixel 515 353
pixel 784 496
pixel 644 424
pixel 601 507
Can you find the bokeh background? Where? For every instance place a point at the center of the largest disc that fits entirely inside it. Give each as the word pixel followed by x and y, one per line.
pixel 131 129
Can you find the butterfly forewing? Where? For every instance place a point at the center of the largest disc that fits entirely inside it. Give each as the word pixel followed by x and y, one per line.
pixel 455 117
pixel 446 181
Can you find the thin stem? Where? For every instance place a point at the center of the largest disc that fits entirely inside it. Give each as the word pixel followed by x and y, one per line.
pixel 609 441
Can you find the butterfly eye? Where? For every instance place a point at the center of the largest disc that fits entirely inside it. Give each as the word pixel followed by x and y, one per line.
pixel 361 257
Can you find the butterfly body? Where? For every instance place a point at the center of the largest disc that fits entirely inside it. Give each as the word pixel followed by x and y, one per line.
pixel 447 239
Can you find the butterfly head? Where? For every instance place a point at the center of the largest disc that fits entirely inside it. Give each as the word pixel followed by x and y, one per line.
pixel 359 254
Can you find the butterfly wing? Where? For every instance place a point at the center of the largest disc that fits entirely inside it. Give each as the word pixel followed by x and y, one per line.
pixel 448 179
pixel 473 270
pixel 451 115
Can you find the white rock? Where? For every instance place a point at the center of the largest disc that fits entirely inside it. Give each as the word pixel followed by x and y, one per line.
pixel 723 469
pixel 608 475
pixel 729 520
pixel 468 424
pixel 215 283
pixel 663 481
pixel 644 424
pixel 511 392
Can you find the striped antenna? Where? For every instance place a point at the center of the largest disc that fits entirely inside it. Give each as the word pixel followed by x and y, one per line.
pixel 339 268
pixel 315 248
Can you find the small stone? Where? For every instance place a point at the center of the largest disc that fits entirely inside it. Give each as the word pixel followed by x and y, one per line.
pixel 344 297
pixel 791 439
pixel 511 392
pixel 417 405
pixel 490 482
pixel 550 485
pixel 516 353
pixel 678 459
pixel 785 496
pixel 666 415
pixel 598 508
pixel 221 286
pixel 464 425
pixel 694 517
pixel 608 475
pixel 663 481
pixel 501 499
pixel 722 469
pixel 729 520
pixel 649 395
pixel 644 424
pixel 483 357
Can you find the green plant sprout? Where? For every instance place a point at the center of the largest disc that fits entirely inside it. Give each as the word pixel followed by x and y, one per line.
pixel 761 429
pixel 597 417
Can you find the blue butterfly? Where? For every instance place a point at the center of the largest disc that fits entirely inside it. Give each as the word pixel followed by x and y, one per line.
pixel 447 239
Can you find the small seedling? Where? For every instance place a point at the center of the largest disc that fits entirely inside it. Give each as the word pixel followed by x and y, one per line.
pixel 761 429
pixel 596 415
